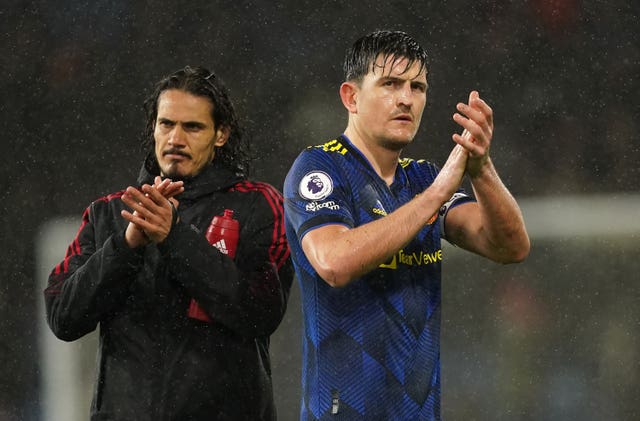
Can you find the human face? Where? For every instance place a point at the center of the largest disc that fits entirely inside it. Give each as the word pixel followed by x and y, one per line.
pixel 185 134
pixel 389 102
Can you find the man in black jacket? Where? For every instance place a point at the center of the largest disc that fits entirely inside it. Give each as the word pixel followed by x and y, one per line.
pixel 184 326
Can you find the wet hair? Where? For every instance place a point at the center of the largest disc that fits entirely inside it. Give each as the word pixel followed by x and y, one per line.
pixel 201 82
pixel 361 58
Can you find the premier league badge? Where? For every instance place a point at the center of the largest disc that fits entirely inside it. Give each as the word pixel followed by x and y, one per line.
pixel 315 185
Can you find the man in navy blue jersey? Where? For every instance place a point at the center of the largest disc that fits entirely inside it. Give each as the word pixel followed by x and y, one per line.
pixel 365 229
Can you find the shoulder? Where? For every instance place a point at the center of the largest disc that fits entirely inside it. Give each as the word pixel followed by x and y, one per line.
pixel 109 197
pixel 334 147
pixel 259 192
pixel 106 202
pixel 333 150
pixel 251 186
pixel 330 157
pixel 326 163
pixel 104 208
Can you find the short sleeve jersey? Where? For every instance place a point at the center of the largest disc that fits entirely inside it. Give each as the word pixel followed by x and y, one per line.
pixel 370 349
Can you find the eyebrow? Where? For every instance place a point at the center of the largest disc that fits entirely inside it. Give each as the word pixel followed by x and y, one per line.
pixel 391 78
pixel 198 124
pixel 399 79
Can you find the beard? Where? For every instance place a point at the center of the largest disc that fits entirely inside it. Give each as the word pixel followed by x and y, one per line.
pixel 173 171
pixel 395 145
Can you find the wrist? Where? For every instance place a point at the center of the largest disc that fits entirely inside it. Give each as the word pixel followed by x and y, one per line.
pixel 429 203
pixel 134 237
pixel 480 168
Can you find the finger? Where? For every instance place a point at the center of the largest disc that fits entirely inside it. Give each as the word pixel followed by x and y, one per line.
pixel 168 188
pixel 470 112
pixel 472 96
pixel 479 104
pixel 480 124
pixel 150 222
pixel 468 144
pixel 161 185
pixel 143 197
pixel 487 111
pixel 161 211
pixel 138 208
pixel 134 218
pixel 174 189
pixel 156 196
pixel 142 224
pixel 133 195
pixel 473 129
pixel 141 202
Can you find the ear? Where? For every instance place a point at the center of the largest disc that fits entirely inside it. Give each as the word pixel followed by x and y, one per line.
pixel 221 137
pixel 349 96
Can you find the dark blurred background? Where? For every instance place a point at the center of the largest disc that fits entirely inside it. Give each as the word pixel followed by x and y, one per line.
pixel 562 77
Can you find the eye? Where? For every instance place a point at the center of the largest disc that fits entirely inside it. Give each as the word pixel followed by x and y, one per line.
pixel 419 87
pixel 166 123
pixel 193 127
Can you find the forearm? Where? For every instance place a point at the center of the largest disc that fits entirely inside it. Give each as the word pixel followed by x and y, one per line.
pixel 501 221
pixel 341 255
pixel 198 266
pixel 248 301
pixel 78 297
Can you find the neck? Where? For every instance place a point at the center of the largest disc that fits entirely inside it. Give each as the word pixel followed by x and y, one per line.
pixel 383 160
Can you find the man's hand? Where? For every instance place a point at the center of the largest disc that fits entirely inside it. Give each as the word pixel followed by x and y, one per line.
pixel 450 176
pixel 152 215
pixel 476 118
pixel 168 188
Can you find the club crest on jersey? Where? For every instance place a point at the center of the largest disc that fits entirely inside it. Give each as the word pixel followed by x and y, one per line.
pixel 315 185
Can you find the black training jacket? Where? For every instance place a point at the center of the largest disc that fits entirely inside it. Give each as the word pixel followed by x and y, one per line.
pixel 155 363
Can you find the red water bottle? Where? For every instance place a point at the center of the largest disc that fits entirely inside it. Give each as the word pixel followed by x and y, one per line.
pixel 223 233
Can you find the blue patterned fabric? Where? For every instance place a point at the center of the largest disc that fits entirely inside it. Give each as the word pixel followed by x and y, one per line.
pixel 370 349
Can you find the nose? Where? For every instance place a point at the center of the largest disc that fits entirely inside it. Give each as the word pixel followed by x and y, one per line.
pixel 405 95
pixel 177 136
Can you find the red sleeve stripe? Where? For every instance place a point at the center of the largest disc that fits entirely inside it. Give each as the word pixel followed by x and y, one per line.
pixel 279 248
pixel 74 248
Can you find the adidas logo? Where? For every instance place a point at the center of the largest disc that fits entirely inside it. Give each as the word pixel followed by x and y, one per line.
pixel 222 246
pixel 379 209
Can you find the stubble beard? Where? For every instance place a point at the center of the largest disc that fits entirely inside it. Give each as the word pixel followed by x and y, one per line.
pixel 395 144
pixel 172 172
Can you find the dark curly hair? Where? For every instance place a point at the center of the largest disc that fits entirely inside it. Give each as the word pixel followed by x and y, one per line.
pixel 199 81
pixel 362 55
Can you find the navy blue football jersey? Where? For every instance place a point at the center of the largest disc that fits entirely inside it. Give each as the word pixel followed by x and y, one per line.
pixel 370 349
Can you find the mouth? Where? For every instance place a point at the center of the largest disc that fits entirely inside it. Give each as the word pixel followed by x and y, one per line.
pixel 176 154
pixel 403 117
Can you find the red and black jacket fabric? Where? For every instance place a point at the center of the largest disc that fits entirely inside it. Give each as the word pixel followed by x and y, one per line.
pixel 155 363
